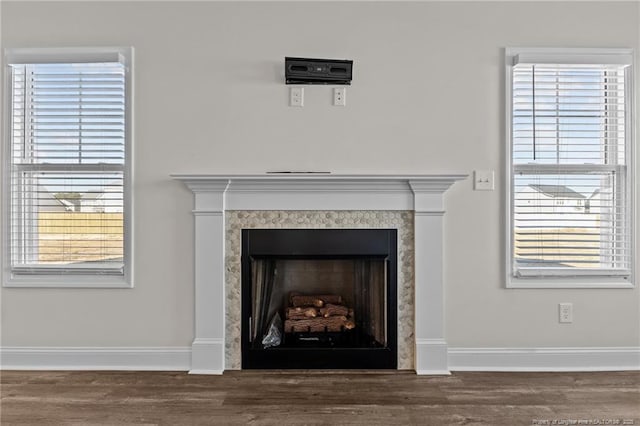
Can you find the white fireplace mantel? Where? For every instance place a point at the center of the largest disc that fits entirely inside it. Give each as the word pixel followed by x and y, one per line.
pixel 215 194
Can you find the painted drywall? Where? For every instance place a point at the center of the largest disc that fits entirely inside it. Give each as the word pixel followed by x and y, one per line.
pixel 427 98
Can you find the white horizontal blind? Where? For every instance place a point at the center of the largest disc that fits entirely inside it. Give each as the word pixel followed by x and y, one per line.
pixel 67 168
pixel 571 214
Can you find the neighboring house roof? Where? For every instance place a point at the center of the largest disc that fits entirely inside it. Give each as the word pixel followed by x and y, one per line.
pixel 92 195
pixel 48 203
pixel 557 191
pixel 68 204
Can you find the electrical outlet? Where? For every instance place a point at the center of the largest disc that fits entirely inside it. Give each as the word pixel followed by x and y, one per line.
pixel 565 311
pixel 339 96
pixel 483 180
pixel 296 97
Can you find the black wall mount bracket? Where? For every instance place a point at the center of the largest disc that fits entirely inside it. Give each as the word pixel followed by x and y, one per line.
pixel 318 71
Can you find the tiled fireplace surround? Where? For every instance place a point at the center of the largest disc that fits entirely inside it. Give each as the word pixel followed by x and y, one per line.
pixel 225 204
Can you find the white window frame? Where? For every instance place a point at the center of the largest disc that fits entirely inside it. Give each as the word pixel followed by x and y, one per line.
pixel 89 279
pixel 581 279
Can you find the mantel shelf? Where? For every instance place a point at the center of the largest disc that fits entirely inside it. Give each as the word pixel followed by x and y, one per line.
pixel 316 179
pixel 315 176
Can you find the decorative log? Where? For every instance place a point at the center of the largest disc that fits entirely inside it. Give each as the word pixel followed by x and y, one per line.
pixel 331 298
pixel 331 310
pixel 299 301
pixel 320 324
pixel 301 313
pixel 317 301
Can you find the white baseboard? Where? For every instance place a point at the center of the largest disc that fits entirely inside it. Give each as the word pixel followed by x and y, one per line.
pixel 544 359
pixel 95 358
pixel 179 359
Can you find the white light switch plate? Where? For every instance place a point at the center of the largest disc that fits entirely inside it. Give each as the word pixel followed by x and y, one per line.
pixel 483 180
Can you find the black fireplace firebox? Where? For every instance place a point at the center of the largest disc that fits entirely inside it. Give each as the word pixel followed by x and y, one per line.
pixel 319 298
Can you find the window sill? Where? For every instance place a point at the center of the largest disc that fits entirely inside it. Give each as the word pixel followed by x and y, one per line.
pixel 79 281
pixel 570 282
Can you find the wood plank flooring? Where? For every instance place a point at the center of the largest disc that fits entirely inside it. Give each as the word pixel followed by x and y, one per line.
pixel 317 398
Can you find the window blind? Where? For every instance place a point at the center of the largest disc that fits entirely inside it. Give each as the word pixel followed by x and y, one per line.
pixel 570 196
pixel 67 168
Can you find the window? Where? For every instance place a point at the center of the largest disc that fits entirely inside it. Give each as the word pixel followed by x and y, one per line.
pixel 569 128
pixel 67 171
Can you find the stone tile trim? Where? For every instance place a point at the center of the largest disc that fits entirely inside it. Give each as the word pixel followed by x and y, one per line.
pixel 403 221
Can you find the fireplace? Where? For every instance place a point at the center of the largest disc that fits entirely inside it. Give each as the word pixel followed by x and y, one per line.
pixel 319 298
pixel 224 204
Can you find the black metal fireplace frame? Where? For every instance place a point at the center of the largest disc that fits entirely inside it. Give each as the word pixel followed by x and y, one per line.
pixel 320 244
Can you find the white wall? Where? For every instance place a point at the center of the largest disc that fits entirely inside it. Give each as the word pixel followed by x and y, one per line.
pixel 426 98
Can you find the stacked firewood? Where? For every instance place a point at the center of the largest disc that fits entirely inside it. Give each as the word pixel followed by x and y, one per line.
pixel 317 314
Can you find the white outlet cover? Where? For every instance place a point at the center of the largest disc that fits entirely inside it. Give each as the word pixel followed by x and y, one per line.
pixel 296 97
pixel 565 312
pixel 339 96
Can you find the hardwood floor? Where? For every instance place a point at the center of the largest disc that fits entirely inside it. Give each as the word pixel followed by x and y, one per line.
pixel 317 398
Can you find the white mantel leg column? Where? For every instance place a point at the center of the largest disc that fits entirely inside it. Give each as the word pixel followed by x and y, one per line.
pixel 431 346
pixel 207 350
